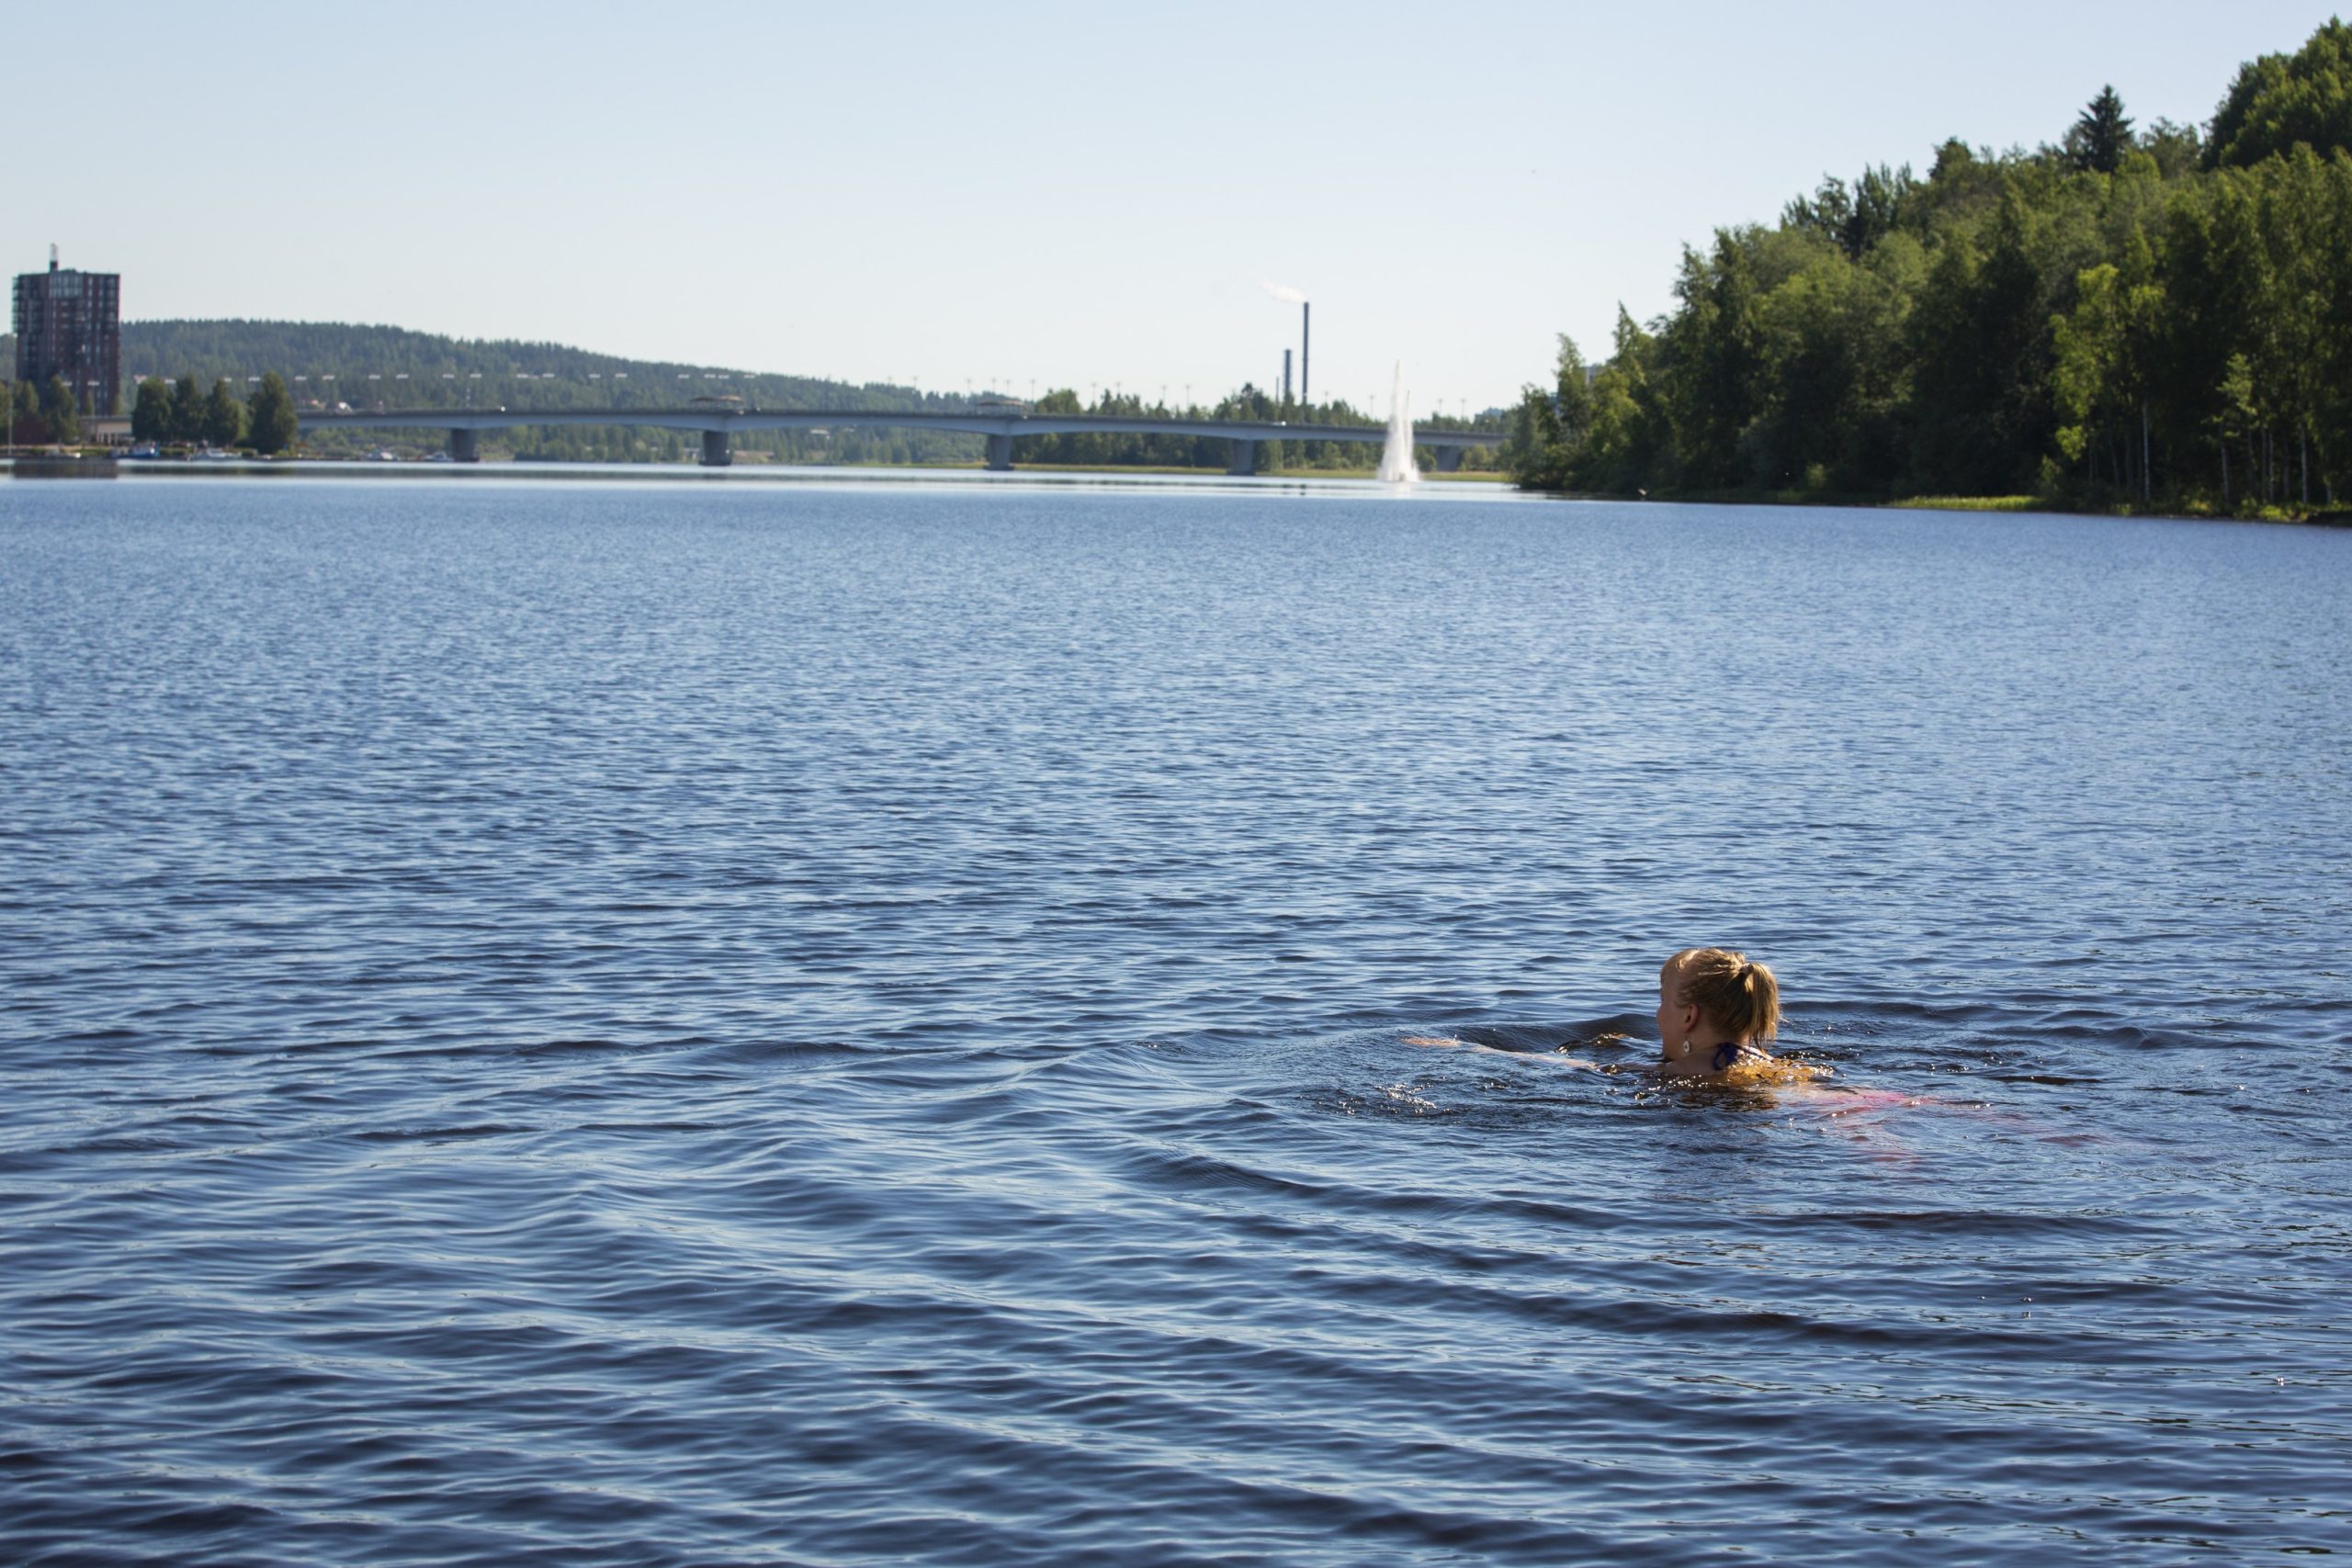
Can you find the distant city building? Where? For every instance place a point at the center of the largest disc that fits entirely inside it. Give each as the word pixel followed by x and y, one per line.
pixel 69 323
pixel 112 430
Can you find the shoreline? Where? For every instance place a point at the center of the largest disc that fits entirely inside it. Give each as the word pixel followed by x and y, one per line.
pixel 78 468
pixel 2320 516
pixel 41 468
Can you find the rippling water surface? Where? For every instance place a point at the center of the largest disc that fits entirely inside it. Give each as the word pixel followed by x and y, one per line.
pixel 830 1024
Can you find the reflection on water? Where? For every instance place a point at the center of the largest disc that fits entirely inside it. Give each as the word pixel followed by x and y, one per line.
pixel 1464 487
pixel 826 1023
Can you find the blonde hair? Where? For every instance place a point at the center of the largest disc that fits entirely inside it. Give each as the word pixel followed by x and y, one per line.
pixel 1731 989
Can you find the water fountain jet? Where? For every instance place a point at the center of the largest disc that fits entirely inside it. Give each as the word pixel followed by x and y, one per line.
pixel 1396 457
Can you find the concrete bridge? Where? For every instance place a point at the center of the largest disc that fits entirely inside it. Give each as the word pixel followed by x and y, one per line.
pixel 1000 428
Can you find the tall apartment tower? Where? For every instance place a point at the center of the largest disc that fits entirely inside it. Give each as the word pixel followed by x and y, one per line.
pixel 70 323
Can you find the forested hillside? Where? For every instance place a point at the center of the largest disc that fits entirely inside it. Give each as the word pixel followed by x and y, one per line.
pixel 328 364
pixel 367 366
pixel 2157 319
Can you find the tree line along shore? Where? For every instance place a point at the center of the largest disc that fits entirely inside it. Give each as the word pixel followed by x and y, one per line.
pixel 2151 319
pixel 369 367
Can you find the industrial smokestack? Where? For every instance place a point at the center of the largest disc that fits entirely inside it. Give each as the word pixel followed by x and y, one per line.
pixel 1286 374
pixel 1305 320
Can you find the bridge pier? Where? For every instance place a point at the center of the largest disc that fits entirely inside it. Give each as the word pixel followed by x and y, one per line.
pixel 715 454
pixel 1241 456
pixel 463 447
pixel 1000 453
pixel 1448 459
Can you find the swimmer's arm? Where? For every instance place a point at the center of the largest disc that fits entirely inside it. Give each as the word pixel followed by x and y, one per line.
pixel 1493 1051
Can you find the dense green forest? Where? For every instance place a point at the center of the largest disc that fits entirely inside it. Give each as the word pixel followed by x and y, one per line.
pixel 2156 319
pixel 179 375
pixel 325 365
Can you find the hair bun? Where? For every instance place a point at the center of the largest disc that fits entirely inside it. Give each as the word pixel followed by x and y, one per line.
pixel 1730 987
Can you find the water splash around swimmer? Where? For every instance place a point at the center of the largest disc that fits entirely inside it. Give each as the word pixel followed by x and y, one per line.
pixel 1396 457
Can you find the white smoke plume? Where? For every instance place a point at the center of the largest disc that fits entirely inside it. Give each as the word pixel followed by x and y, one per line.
pixel 1284 293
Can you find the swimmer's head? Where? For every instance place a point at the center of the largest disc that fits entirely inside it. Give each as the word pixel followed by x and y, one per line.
pixel 1732 992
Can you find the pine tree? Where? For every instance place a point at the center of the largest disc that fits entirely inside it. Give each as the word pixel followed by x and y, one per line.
pixel 2101 136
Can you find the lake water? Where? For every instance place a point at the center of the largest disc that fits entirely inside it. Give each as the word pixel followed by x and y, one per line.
pixel 822 1023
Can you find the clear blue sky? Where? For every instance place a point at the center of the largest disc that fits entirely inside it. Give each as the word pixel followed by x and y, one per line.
pixel 1055 194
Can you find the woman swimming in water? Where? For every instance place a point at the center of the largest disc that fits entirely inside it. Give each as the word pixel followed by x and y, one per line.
pixel 1715 1008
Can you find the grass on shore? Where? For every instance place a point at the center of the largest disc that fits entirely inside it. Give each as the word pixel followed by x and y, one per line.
pixel 2324 513
pixel 2201 510
pixel 1972 503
